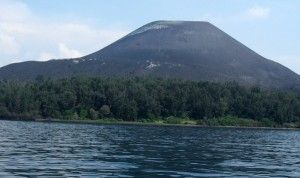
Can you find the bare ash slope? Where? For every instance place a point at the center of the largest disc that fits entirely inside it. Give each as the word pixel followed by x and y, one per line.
pixel 169 49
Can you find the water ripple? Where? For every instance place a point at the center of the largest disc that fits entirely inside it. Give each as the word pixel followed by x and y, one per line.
pixel 67 150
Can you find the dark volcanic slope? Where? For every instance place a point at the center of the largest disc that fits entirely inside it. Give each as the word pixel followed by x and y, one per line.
pixel 169 49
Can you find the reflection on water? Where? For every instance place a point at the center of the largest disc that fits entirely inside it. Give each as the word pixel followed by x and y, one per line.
pixel 52 149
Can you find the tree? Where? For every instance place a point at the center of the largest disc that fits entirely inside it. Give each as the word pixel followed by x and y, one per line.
pixel 141 98
pixel 105 110
pixel 93 114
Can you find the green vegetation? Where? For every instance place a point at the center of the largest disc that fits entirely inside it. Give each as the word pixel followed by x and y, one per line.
pixel 234 121
pixel 171 120
pixel 227 121
pixel 149 100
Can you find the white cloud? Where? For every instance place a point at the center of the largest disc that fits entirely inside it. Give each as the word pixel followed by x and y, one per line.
pixel 26 36
pixel 44 56
pixel 62 52
pixel 255 13
pixel 258 12
pixel 66 52
pixel 14 11
pixel 8 45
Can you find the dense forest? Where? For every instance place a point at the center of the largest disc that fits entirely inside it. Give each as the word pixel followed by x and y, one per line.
pixel 133 99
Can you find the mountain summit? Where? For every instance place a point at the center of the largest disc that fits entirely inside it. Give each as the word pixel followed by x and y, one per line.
pixel 168 49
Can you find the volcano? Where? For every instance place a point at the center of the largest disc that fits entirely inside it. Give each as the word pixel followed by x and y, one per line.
pixel 188 50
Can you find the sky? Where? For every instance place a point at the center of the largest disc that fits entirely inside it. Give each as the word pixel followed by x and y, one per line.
pixel 54 29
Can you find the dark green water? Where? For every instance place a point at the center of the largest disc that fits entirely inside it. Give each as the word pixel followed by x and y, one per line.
pixel 53 149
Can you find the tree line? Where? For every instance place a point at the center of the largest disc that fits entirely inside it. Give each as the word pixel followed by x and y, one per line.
pixel 131 99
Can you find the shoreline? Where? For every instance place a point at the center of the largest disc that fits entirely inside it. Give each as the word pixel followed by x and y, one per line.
pixel 155 124
pixel 173 122
pixel 95 122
